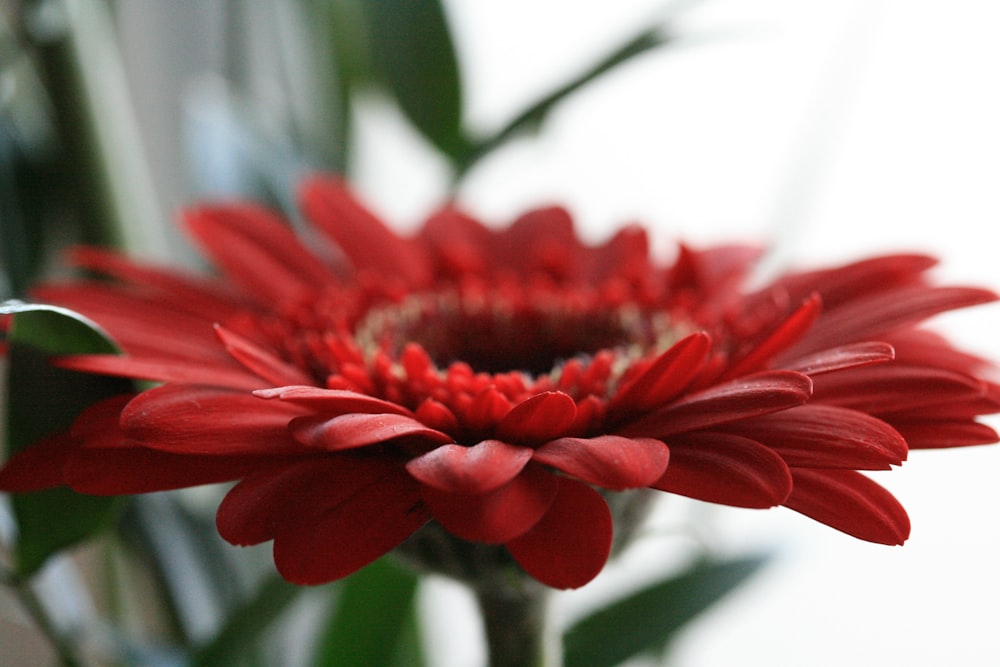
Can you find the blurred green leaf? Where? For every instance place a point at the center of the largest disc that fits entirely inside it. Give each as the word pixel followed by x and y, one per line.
pixel 533 116
pixel 44 400
pixel 244 625
pixel 372 622
pixel 649 619
pixel 412 48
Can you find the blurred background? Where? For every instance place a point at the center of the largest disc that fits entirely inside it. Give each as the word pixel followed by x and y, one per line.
pixel 826 130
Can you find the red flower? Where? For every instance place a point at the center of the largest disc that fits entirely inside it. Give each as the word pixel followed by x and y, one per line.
pixel 502 384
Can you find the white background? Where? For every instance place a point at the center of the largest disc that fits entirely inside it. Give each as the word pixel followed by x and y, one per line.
pixel 829 130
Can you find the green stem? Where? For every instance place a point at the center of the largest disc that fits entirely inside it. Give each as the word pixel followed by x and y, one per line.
pixel 516 628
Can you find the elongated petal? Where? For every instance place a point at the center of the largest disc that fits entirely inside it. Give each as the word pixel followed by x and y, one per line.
pixel 665 378
pixel 825 436
pixel 130 468
pixel 609 461
pixel 935 434
pixel 479 469
pixel 896 387
pixel 161 369
pixel 319 547
pixel 497 516
pixel 842 357
pixel 254 510
pixel 260 361
pixel 138 324
pixel 842 284
pixel 208 299
pixel 368 243
pixel 570 545
pixel 39 466
pixel 851 503
pixel 359 430
pixel 332 401
pixel 726 469
pixel 539 418
pixel 868 317
pixel 258 251
pixel 749 396
pixel 788 332
pixel 188 419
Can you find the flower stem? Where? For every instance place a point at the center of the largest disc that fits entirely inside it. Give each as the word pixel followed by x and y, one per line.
pixel 516 628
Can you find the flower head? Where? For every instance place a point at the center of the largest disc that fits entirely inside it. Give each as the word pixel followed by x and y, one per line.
pixel 502 384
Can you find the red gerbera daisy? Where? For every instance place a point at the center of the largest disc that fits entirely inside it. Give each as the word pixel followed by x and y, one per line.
pixel 502 386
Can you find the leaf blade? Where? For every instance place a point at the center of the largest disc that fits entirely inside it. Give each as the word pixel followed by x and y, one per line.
pixel 411 44
pixel 649 619
pixel 46 401
pixel 372 621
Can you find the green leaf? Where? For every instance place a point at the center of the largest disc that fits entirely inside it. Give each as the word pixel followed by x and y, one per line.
pixel 412 48
pixel 44 400
pixel 241 633
pixel 532 117
pixel 372 622
pixel 649 619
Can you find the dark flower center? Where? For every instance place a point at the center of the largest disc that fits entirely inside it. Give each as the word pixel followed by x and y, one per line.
pixel 497 333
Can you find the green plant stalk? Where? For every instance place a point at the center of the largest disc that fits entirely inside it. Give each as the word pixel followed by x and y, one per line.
pixel 517 633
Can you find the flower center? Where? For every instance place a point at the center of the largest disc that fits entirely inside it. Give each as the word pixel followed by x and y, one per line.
pixel 531 331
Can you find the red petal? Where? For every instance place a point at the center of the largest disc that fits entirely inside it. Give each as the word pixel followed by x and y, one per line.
pixel 869 317
pixel 437 415
pixel 161 369
pixel 486 410
pixel 571 543
pixel 129 468
pixel 141 326
pixel 788 333
pixel 666 377
pixel 188 419
pixel 255 509
pixel 332 401
pixel 459 243
pixel 850 502
pixel 39 466
pixel 318 547
pixel 479 469
pixel 843 357
pixel 935 434
pixel 825 436
pixel 608 461
pixel 895 387
pixel 625 255
pixel 260 361
pixel 207 299
pixel 359 430
pixel 258 251
pixel 537 419
pixel 497 516
pixel 847 282
pixel 745 397
pixel 369 244
pixel 726 469
pixel 541 241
